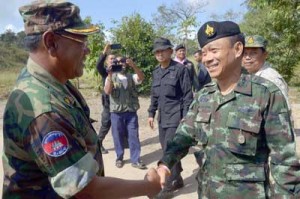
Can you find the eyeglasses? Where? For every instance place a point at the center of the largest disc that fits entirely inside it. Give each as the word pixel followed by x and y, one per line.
pixel 85 43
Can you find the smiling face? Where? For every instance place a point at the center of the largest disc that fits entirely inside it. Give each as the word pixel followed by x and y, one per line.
pixel 181 53
pixel 254 59
pixel 221 57
pixel 72 53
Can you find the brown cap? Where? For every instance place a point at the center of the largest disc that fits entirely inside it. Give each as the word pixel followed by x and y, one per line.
pixel 40 16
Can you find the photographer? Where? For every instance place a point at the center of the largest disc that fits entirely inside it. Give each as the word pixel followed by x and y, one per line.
pixel 121 86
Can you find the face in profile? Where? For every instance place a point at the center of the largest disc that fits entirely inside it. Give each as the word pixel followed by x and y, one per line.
pixel 254 59
pixel 72 54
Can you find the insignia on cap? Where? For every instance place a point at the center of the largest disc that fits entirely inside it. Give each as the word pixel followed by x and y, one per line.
pixel 55 144
pixel 209 31
pixel 250 40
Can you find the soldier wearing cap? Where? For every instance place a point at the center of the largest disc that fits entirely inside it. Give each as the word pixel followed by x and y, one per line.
pixel 171 95
pixel 254 60
pixel 239 122
pixel 180 56
pixel 51 149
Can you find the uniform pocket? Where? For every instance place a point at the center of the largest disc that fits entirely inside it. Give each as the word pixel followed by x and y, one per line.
pixel 245 172
pixel 243 132
pixel 170 87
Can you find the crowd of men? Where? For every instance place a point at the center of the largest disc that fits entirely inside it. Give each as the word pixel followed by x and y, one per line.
pixel 241 121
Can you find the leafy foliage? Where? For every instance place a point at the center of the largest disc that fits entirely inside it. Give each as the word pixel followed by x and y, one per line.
pixel 136 36
pixel 278 22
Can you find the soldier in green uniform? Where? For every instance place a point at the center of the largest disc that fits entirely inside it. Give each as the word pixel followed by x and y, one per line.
pixel 51 149
pixel 239 122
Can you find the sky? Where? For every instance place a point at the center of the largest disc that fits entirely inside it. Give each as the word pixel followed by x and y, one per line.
pixel 105 11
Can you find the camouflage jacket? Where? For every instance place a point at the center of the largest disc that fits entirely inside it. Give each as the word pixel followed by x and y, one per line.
pixel 51 149
pixel 237 135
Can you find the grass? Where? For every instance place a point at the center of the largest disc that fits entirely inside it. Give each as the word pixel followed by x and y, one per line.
pixel 7 81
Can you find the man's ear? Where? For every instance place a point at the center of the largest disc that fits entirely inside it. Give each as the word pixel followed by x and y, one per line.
pixel 50 43
pixel 238 48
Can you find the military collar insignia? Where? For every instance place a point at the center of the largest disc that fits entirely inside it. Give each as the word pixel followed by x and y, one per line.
pixel 209 31
pixel 67 100
pixel 250 40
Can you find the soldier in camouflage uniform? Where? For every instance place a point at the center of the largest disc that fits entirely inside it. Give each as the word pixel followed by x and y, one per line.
pixel 238 122
pixel 254 60
pixel 51 149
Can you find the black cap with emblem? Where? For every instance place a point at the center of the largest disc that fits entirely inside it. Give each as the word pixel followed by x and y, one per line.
pixel 213 30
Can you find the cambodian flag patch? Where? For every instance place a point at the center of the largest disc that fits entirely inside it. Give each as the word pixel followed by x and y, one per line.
pixel 55 144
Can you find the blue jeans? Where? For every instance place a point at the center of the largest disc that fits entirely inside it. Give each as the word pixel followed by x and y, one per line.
pixel 120 124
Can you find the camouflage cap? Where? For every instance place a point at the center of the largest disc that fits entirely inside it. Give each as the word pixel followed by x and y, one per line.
pixel 43 15
pixel 255 41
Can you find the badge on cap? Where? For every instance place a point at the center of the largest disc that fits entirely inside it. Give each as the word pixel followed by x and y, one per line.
pixel 55 144
pixel 241 138
pixel 67 100
pixel 209 31
pixel 250 40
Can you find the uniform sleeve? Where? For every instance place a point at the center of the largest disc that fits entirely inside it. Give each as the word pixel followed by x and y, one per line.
pixel 58 149
pixel 186 88
pixel 100 66
pixel 154 100
pixel 185 137
pixel 284 164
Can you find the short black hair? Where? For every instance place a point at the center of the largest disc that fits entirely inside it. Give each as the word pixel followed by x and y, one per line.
pixel 237 38
pixel 31 42
pixel 199 51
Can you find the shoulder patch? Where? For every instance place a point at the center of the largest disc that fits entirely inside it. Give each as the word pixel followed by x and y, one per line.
pixel 55 144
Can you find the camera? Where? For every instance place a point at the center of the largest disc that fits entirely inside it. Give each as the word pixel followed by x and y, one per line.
pixel 117 65
pixel 115 46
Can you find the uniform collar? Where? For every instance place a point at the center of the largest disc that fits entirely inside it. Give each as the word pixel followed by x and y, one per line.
pixel 243 86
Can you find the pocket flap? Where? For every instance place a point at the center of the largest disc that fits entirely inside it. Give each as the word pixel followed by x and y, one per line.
pixel 244 122
pixel 245 172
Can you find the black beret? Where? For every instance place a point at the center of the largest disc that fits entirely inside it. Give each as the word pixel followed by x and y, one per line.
pixel 161 44
pixel 180 46
pixel 213 30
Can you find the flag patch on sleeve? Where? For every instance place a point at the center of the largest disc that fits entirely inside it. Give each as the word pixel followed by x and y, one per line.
pixel 55 144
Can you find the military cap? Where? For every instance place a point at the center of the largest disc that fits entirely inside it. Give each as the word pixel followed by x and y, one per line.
pixel 255 41
pixel 161 44
pixel 180 46
pixel 213 30
pixel 40 16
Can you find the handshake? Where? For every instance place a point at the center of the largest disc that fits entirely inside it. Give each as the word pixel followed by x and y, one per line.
pixel 156 178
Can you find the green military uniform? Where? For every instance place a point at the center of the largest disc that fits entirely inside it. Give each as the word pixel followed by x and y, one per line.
pixel 237 133
pixel 50 147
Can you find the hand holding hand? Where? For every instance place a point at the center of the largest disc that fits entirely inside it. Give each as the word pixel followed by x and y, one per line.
pixel 153 178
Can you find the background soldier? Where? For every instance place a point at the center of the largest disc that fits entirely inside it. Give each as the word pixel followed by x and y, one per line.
pixel 171 95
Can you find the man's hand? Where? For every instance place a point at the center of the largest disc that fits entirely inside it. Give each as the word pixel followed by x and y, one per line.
pixel 163 172
pixel 107 49
pixel 151 122
pixel 153 178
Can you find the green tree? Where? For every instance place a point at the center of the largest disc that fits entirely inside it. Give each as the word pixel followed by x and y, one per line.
pixel 179 16
pixel 136 36
pixel 278 22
